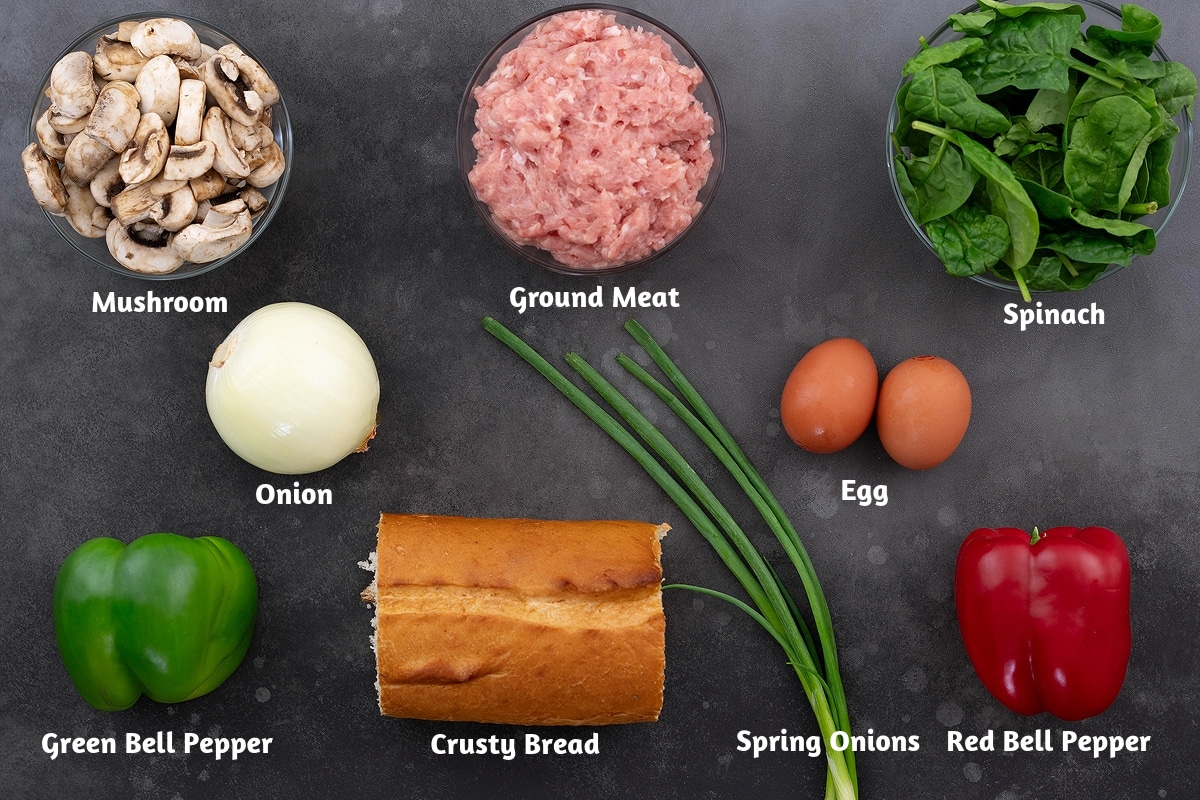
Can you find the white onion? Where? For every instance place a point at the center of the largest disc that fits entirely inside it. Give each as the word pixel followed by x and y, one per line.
pixel 293 389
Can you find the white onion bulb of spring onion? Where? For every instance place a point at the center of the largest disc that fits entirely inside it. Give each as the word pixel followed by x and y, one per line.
pixel 293 389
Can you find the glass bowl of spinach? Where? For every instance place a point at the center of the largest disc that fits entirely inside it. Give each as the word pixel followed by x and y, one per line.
pixel 1041 147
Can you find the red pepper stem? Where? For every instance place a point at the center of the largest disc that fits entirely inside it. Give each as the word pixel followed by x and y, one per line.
pixel 1036 536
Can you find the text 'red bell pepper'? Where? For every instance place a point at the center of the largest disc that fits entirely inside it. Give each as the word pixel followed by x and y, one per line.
pixel 1045 619
pixel 166 615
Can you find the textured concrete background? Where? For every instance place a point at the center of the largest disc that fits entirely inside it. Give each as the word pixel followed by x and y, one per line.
pixel 105 430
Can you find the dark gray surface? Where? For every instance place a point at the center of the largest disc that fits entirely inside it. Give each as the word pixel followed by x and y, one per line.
pixel 105 429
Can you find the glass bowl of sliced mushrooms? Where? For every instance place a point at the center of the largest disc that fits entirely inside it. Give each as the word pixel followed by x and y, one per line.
pixel 158 147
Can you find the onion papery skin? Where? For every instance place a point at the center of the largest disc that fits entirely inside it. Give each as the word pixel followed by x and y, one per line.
pixel 293 389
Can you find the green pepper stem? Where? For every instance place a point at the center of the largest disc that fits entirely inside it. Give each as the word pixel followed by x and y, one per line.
pixel 1036 537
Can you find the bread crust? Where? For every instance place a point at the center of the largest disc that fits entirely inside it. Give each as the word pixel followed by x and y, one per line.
pixel 518 621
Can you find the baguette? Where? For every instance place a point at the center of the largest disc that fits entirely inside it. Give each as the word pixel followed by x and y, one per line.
pixel 518 621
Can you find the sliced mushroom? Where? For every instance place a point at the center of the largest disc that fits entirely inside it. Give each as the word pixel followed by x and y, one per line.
pixel 86 216
pixel 229 88
pixel 266 165
pixel 147 154
pixel 108 184
pixel 188 71
pixel 54 144
pixel 225 228
pixel 190 119
pixel 206 52
pixel 249 137
pixel 144 201
pixel 45 181
pixel 209 185
pixel 125 30
pixel 189 161
pixel 253 74
pixel 230 161
pixel 65 125
pixel 165 36
pixel 72 90
pixel 142 248
pixel 158 87
pixel 115 117
pixel 177 209
pixel 255 200
pixel 85 157
pixel 117 60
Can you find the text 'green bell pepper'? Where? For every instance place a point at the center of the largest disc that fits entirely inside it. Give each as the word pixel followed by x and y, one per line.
pixel 166 615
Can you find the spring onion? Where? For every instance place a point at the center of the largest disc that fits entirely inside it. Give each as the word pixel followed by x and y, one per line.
pixel 811 653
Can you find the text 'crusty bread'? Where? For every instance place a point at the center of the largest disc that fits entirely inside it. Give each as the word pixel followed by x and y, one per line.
pixel 519 621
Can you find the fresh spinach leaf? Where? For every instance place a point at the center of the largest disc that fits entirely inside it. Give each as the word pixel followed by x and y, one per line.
pixel 1049 107
pixel 1139 32
pixel 941 54
pixel 1012 11
pixel 937 184
pixel 1158 169
pixel 1008 198
pixel 1049 274
pixel 1098 247
pixel 1018 136
pixel 1176 89
pixel 939 94
pixel 975 23
pixel 1055 206
pixel 1099 151
pixel 969 241
pixel 1032 51
pixel 1042 166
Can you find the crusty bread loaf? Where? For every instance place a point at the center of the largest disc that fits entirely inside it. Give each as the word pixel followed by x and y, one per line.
pixel 519 621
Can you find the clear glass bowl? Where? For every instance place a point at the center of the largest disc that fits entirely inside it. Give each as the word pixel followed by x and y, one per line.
pixel 281 126
pixel 1181 158
pixel 706 93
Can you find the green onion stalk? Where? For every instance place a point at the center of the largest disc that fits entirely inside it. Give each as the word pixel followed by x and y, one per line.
pixel 811 653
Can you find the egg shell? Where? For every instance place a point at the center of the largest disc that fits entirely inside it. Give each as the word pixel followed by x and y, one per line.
pixel 923 412
pixel 828 399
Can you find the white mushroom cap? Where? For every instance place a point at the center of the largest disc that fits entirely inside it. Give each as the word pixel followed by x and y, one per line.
pixel 189 161
pixel 72 89
pixel 142 248
pixel 147 154
pixel 253 74
pixel 165 35
pixel 65 125
pixel 107 184
pixel 115 118
pixel 266 164
pixel 219 235
pixel 85 157
pixel 116 60
pixel 177 209
pixel 158 87
pixel 45 181
pixel 190 118
pixel 209 185
pixel 54 144
pixel 229 88
pixel 86 216
pixel 230 161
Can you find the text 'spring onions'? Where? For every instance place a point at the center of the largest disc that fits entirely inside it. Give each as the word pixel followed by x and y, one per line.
pixel 293 389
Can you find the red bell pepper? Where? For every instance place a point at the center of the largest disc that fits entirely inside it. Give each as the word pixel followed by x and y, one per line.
pixel 1045 619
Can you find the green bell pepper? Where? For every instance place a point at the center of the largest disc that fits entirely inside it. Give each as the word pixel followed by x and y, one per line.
pixel 166 615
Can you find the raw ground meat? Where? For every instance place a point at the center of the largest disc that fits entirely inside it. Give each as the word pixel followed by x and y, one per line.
pixel 591 145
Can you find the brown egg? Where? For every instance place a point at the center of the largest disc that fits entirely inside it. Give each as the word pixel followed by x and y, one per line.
pixel 924 408
pixel 829 397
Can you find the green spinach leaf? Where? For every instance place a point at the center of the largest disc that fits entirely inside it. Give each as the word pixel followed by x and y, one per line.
pixel 975 23
pixel 1100 149
pixel 1139 32
pixel 937 184
pixel 939 94
pixel 941 54
pixel 1176 89
pixel 1049 107
pixel 1049 274
pixel 1032 51
pixel 969 241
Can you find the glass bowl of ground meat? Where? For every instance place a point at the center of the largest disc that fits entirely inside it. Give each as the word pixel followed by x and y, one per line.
pixel 591 140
